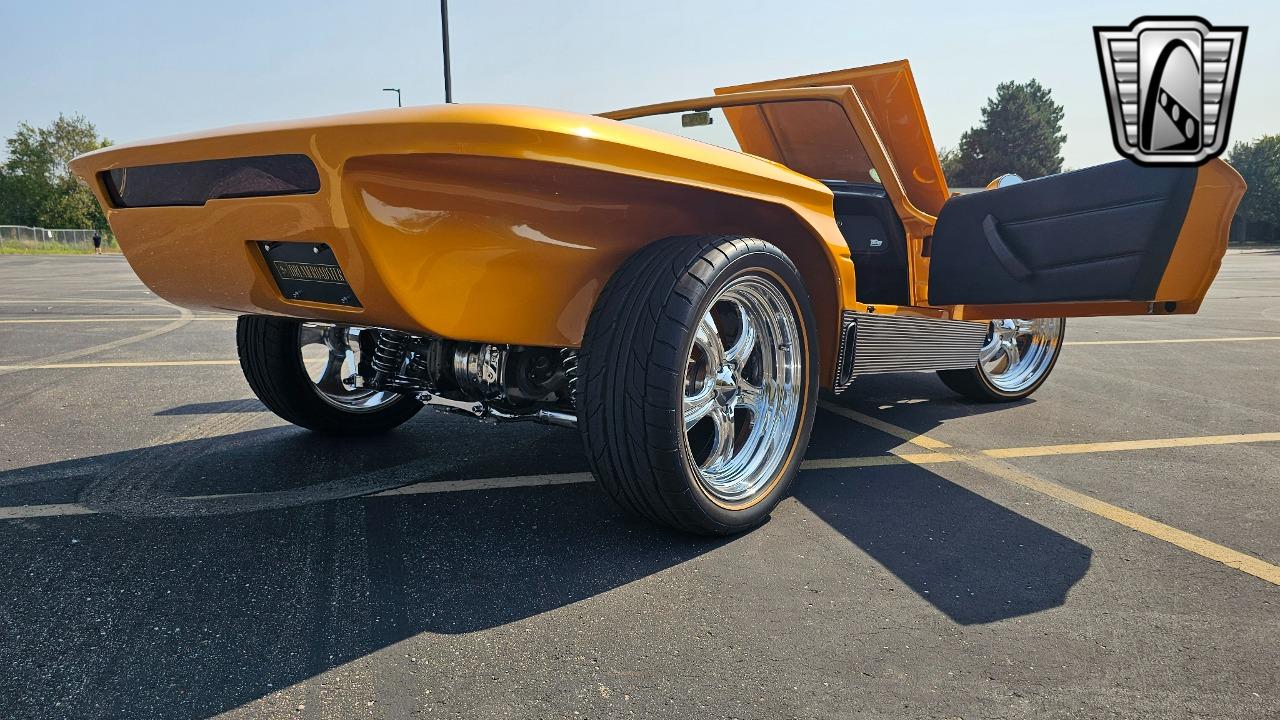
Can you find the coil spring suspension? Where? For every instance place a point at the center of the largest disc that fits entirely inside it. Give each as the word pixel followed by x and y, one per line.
pixel 569 361
pixel 388 355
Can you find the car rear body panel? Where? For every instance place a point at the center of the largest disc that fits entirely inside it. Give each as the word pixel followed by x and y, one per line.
pixel 485 223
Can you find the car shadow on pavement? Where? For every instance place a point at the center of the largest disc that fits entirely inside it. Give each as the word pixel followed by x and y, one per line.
pixel 210 408
pixel 974 560
pixel 184 608
pixel 971 558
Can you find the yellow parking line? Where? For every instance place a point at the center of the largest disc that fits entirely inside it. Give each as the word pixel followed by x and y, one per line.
pixel 1114 446
pixel 987 462
pixel 1145 525
pixel 917 439
pixel 1172 341
pixel 107 319
pixel 121 364
pixel 877 461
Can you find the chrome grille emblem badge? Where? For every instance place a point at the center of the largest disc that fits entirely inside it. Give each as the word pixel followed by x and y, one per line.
pixel 1171 86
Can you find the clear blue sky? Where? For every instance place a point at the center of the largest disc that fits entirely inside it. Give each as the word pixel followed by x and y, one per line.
pixel 140 69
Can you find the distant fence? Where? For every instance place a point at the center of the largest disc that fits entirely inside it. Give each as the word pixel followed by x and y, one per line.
pixel 20 234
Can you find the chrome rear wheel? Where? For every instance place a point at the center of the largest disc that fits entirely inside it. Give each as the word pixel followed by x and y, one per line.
pixel 742 389
pixel 699 382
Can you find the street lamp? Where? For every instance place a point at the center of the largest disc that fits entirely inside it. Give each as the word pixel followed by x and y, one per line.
pixel 448 69
pixel 444 37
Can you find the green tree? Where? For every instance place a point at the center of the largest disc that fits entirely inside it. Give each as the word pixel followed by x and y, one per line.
pixel 1020 132
pixel 1259 163
pixel 36 184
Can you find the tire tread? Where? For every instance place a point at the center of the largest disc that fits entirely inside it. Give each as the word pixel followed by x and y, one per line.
pixel 632 357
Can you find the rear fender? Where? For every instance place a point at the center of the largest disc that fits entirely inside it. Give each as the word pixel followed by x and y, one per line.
pixel 516 251
pixel 483 223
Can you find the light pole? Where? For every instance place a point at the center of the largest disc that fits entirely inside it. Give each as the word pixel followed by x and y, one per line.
pixel 444 37
pixel 397 92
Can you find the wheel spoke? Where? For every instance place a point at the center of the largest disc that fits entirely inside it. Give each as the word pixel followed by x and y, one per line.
pixel 331 377
pixel 1011 353
pixel 740 352
pixel 313 334
pixel 708 338
pixel 338 340
pixel 991 351
pixel 722 450
pixel 755 398
pixel 341 363
pixel 697 406
pixel 1020 352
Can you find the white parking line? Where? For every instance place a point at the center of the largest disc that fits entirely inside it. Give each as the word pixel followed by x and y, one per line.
pixel 86 301
pixel 499 483
pixel 120 364
pixel 110 319
pixel 184 317
pixel 22 512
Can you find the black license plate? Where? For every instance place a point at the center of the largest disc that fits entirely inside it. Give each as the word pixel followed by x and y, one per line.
pixel 308 271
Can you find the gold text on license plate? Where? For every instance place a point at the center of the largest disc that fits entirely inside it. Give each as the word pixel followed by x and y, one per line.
pixel 308 271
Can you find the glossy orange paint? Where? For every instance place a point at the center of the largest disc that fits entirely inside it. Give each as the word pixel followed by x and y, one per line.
pixel 486 223
pixel 1202 242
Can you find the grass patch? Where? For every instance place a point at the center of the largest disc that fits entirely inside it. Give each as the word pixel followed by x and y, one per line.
pixel 38 247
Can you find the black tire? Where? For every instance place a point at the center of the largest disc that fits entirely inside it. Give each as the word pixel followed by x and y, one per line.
pixel 973 383
pixel 632 373
pixel 271 358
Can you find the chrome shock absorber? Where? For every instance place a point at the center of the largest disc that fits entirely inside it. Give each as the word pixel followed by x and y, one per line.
pixel 569 361
pixel 388 355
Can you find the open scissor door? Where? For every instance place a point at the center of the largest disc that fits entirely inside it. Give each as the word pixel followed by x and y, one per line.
pixel 1116 239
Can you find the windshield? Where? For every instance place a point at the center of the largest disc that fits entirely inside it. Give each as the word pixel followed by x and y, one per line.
pixel 813 137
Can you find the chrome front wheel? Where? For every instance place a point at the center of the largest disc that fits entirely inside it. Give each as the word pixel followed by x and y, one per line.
pixel 331 355
pixel 1015 360
pixel 306 372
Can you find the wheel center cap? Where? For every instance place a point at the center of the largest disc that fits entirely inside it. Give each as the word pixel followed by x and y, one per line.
pixel 726 389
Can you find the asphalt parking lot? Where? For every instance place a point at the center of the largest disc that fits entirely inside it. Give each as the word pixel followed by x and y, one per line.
pixel 169 549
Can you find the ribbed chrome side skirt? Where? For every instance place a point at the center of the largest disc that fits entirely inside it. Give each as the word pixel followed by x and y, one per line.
pixel 873 343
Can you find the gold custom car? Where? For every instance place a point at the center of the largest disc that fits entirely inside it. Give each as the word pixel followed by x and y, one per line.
pixel 680 301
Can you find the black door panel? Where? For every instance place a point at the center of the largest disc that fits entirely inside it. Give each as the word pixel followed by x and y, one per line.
pixel 1103 233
